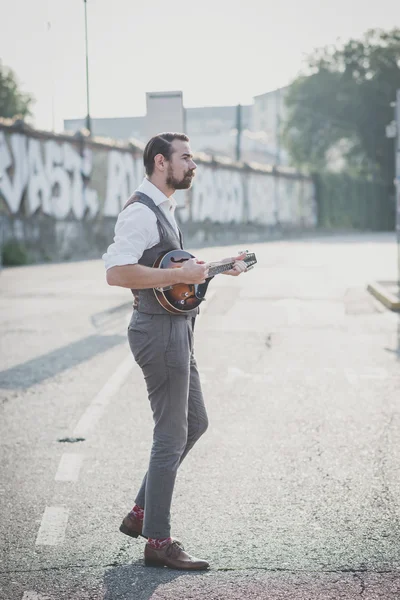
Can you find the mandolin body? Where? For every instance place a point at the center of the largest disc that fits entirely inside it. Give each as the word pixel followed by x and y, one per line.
pixel 180 298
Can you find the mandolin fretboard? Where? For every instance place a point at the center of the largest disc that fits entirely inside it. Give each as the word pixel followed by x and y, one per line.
pixel 250 260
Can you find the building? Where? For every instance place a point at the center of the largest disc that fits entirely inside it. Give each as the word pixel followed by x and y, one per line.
pixel 212 129
pixel 116 128
pixel 268 115
pixel 164 112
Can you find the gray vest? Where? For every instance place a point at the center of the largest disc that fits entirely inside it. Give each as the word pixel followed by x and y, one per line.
pixel 145 300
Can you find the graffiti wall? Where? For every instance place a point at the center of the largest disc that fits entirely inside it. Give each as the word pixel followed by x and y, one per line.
pixel 60 195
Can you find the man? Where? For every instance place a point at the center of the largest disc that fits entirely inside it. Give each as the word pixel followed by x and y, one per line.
pixel 161 343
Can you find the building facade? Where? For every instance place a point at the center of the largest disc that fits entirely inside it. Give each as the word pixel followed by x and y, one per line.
pixel 212 129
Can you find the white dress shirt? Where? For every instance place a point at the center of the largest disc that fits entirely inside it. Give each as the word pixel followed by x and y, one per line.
pixel 136 228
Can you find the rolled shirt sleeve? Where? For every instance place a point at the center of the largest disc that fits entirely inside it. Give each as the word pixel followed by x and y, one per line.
pixel 135 231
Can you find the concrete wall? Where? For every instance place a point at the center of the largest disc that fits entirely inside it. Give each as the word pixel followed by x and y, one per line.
pixel 60 195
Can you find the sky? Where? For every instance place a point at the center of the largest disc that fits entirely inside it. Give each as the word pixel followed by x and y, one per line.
pixel 218 52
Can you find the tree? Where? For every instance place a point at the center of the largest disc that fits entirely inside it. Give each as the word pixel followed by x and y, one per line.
pixel 13 102
pixel 343 104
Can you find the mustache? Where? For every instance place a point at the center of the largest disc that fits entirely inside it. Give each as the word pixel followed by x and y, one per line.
pixel 190 174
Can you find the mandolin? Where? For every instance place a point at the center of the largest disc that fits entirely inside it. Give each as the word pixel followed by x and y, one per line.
pixel 182 297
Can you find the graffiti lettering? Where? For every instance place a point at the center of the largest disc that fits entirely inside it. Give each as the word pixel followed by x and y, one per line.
pixel 62 180
pixel 121 181
pixel 54 177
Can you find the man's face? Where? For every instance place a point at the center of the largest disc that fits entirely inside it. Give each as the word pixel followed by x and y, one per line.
pixel 181 167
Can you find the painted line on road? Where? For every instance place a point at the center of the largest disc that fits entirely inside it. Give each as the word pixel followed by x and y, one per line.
pixel 34 596
pixel 96 408
pixel 69 467
pixel 53 526
pixel 354 377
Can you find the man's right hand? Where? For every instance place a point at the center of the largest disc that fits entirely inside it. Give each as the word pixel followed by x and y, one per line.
pixel 193 271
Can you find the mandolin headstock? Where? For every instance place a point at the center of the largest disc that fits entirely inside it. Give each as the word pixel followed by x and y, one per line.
pixel 250 259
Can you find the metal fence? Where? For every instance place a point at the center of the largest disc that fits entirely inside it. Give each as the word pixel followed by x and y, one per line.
pixel 349 203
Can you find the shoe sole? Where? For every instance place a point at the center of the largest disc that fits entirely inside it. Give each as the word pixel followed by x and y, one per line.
pixel 124 529
pixel 160 563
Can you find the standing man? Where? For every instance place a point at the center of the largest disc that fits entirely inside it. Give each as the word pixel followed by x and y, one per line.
pixel 162 343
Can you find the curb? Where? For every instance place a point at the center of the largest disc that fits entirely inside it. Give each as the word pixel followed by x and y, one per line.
pixel 381 291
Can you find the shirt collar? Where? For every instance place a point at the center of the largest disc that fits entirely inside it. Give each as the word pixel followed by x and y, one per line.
pixel 155 194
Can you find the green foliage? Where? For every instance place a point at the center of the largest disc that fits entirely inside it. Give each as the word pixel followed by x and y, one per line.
pixel 13 102
pixel 14 254
pixel 345 99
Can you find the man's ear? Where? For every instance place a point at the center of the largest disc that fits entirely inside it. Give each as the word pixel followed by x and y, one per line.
pixel 159 161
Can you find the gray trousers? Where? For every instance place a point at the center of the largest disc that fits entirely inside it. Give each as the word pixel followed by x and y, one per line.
pixel 163 348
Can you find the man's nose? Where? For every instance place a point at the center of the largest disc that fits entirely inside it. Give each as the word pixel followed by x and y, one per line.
pixel 193 165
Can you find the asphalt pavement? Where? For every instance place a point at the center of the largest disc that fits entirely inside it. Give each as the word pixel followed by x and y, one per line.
pixel 293 492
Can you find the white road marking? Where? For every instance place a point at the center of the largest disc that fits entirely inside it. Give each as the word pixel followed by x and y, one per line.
pixel 69 467
pixel 34 596
pixel 94 411
pixel 353 377
pixel 233 373
pixel 53 525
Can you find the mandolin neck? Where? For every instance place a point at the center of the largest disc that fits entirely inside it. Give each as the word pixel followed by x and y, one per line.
pixel 249 259
pixel 220 269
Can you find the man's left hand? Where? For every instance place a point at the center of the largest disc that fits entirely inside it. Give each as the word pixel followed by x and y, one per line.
pixel 239 266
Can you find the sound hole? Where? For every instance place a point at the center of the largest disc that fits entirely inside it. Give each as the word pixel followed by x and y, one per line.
pixel 181 260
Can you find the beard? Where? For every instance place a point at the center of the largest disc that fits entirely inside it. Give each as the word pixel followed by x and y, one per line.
pixel 179 184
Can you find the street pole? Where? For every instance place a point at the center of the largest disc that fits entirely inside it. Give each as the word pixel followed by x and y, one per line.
pixel 277 152
pixel 278 127
pixel 51 53
pixel 88 120
pixel 239 132
pixel 397 183
pixel 397 192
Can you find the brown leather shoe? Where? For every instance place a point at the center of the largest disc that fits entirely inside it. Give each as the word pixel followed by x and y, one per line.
pixel 173 556
pixel 132 526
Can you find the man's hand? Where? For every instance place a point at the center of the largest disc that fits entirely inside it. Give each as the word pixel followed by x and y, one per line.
pixel 193 271
pixel 239 266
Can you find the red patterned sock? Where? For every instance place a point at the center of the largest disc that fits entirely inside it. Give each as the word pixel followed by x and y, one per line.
pixel 137 512
pixel 157 544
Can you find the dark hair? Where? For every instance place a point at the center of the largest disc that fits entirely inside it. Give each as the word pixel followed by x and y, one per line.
pixel 160 144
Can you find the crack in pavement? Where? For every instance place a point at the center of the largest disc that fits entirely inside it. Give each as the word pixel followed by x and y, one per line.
pixel 362 584
pixel 217 569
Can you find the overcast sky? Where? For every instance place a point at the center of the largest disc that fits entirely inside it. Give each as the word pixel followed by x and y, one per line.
pixel 216 51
